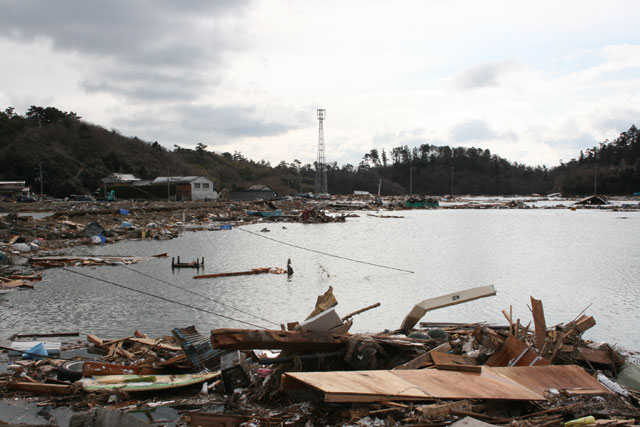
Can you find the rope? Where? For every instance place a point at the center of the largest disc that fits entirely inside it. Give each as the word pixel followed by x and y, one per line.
pixel 324 253
pixel 162 298
pixel 202 296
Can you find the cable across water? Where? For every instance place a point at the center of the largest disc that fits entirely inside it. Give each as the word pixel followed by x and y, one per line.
pixel 324 253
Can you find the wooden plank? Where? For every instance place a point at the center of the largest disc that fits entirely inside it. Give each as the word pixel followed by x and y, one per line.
pixel 249 339
pixel 425 384
pixel 40 388
pixel 561 377
pixel 416 363
pixel 90 369
pixel 584 323
pixel 95 340
pixel 593 355
pixel 12 284
pixel 539 323
pixel 509 383
pixel 453 362
pixel 261 270
pixel 46 335
pixel 514 352
pixel 156 343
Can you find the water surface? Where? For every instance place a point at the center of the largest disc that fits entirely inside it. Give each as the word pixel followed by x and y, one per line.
pixel 569 260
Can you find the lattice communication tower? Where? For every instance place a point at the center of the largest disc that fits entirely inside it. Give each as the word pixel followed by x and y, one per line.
pixel 321 166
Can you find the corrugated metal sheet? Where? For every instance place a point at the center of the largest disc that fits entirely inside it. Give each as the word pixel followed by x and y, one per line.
pixel 198 348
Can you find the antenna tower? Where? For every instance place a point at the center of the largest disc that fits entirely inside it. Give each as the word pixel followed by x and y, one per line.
pixel 321 167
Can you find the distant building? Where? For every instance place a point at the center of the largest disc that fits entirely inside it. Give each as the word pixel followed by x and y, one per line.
pixel 189 188
pixel 592 200
pixel 120 178
pixel 182 188
pixel 12 189
pixel 255 192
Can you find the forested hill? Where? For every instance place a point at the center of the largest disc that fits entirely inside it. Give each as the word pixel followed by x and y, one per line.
pixel 76 155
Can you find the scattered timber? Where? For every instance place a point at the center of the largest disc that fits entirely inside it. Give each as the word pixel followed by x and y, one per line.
pixel 253 271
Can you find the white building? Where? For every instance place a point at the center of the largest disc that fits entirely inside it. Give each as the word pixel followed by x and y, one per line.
pixel 189 187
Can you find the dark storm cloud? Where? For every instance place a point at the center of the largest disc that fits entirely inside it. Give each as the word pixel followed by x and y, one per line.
pixel 485 75
pixel 230 121
pixel 179 38
pixel 472 130
pixel 140 83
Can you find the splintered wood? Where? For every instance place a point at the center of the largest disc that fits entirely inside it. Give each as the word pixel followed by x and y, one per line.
pixel 142 352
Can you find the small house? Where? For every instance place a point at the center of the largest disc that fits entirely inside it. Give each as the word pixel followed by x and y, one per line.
pixel 255 192
pixel 189 188
pixel 13 189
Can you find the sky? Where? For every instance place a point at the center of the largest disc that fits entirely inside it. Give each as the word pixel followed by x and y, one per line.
pixel 534 82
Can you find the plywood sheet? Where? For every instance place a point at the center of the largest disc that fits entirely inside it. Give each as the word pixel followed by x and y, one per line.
pixel 501 383
pixel 562 377
pixel 426 384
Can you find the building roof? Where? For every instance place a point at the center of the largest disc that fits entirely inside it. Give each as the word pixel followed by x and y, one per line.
pixel 13 186
pixel 121 177
pixel 177 179
pixel 260 187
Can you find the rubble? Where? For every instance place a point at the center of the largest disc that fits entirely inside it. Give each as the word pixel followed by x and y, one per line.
pixel 315 372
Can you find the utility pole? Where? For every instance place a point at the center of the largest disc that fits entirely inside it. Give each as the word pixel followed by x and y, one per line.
pixel 410 180
pixel 168 185
pixel 452 182
pixel 41 186
pixel 595 182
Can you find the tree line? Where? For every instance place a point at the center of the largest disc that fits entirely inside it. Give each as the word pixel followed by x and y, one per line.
pixel 75 156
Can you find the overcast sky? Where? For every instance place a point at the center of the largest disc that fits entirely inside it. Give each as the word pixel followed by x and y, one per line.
pixel 534 82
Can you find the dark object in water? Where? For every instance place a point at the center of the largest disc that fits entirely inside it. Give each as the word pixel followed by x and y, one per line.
pixel 289 268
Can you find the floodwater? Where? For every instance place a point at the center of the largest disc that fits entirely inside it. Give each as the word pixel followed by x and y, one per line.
pixel 570 260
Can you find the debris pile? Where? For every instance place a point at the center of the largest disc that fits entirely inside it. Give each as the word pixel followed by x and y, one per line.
pixel 315 371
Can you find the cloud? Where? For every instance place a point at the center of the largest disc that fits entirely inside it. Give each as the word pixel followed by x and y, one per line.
pixel 140 84
pixel 472 130
pixel 230 121
pixel 142 50
pixel 484 75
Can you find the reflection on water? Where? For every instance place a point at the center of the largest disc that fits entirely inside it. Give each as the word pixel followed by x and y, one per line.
pixel 568 259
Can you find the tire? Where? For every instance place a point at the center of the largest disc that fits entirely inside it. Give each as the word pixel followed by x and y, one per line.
pixel 70 371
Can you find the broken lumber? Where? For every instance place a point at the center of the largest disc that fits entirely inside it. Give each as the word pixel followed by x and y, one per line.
pixel 539 322
pixel 262 270
pixel 514 352
pixel 248 339
pixel 41 388
pixel 453 362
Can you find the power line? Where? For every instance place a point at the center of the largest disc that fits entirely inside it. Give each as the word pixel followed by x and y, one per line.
pixel 201 296
pixel 323 253
pixel 162 298
pixel 168 300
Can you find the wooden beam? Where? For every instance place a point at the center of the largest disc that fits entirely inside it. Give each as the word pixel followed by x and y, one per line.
pixel 41 388
pixel 539 322
pixel 417 363
pixel 248 339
